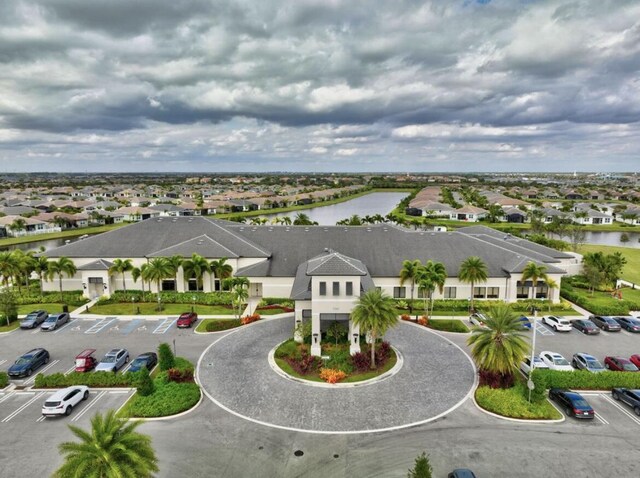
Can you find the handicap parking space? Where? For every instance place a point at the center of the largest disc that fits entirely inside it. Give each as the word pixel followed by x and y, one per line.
pixel 116 326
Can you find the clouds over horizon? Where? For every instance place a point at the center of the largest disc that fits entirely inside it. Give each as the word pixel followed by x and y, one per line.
pixel 318 85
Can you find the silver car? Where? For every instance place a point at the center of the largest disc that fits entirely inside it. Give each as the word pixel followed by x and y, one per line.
pixel 54 321
pixel 113 361
pixel 63 401
pixel 33 319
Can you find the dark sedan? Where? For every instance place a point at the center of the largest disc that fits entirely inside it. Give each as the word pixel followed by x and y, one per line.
pixel 28 363
pixel 605 323
pixel 33 319
pixel 586 327
pixel 630 324
pixel 573 403
pixel 619 364
pixel 630 397
pixel 461 473
pixel 147 359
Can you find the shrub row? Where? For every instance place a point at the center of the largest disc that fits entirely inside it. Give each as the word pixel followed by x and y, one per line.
pixel 73 298
pixel 581 297
pixel 512 402
pixel 281 301
pixel 93 379
pixel 447 325
pixel 463 304
pixel 217 325
pixel 203 298
pixel 583 380
pixel 4 379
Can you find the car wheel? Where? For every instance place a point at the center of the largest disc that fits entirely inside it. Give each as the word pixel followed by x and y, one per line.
pixel 555 327
pixel 574 363
pixel 637 410
pixel 29 372
pixel 615 395
pixel 46 360
pixel 86 395
pixel 126 359
pixel 67 410
pixel 569 411
pixel 606 366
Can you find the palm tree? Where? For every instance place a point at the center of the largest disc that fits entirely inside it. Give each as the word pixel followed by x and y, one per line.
pixel 9 267
pixel 495 212
pixel 196 267
pixel 41 267
pixel 112 449
pixel 175 262
pixel 473 270
pixel 409 272
pixel 63 266
pixel 534 272
pixel 498 347
pixel 374 313
pixel 221 269
pixel 239 287
pixel 303 220
pixel 18 224
pixel 157 269
pixel 121 266
pixel 136 274
pixel 429 277
pixel 285 220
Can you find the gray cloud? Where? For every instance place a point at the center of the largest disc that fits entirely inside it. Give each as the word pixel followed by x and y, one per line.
pixel 320 85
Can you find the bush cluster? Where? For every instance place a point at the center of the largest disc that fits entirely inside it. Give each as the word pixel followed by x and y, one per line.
pixel 461 305
pixel 306 364
pixel 278 301
pixel 169 398
pixel 179 375
pixel 583 380
pixel 93 379
pixel 574 289
pixel 290 349
pixel 217 325
pixel 73 298
pixel 331 375
pixel 512 402
pixel 362 360
pixel 340 360
pixel 4 379
pixel 202 298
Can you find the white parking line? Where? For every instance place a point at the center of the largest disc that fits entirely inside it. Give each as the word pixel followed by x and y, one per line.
pixel 127 367
pixel 6 397
pixel 63 327
pixel 36 330
pixel 165 325
pixel 620 407
pixel 86 409
pixel 599 417
pixel 2 361
pixel 33 377
pixel 70 370
pixel 23 407
pixel 95 328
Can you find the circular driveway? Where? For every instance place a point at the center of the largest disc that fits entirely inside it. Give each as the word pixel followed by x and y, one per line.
pixel 235 374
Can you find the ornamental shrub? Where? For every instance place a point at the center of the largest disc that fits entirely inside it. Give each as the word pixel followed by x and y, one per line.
pixel 405 317
pixel 93 379
pixel 166 358
pixel 383 352
pixel 361 361
pixel 306 365
pixel 248 319
pixel 583 380
pixel 422 468
pixel 179 375
pixel 340 360
pixel 145 383
pixel 423 321
pixel 4 379
pixel 330 375
pixel 217 325
pixel 289 349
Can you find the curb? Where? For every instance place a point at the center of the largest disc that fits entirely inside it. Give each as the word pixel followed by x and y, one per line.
pixel 388 374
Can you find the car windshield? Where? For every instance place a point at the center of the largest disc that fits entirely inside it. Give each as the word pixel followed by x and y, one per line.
pixel 564 322
pixel 51 318
pixel 594 364
pixel 31 317
pixel 560 361
pixel 629 367
pixel 23 360
pixel 109 359
pixel 139 361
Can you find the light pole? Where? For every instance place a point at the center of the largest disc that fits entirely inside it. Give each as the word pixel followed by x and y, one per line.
pixel 159 306
pixel 193 305
pixel 530 384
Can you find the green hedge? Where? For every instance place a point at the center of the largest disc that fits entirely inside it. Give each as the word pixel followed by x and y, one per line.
pixel 283 301
pixel 4 379
pixel 512 402
pixel 583 380
pixel 91 379
pixel 73 298
pixel 169 398
pixel 203 298
pixel 218 325
pixel 447 325
pixel 576 290
pixel 484 305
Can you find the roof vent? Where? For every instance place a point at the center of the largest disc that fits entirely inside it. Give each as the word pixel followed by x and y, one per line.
pixel 287 228
pixel 325 229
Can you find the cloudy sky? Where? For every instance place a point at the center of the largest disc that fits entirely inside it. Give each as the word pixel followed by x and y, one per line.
pixel 319 85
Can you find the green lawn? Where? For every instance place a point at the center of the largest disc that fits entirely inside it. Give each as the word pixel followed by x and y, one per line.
pixel 149 308
pixel 8 328
pixel 272 311
pixel 631 271
pixel 445 325
pixel 51 308
pixel 60 235
pixel 512 402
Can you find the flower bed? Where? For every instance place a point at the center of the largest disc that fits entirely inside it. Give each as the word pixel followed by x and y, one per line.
pixel 512 402
pixel 295 360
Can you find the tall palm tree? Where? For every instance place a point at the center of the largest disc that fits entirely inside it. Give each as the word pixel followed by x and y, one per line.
pixel 41 267
pixel 534 272
pixel 303 220
pixel 121 266
pixel 175 262
pixel 136 274
pixel 374 313
pixel 498 347
pixel 9 267
pixel 409 272
pixel 157 269
pixel 63 266
pixel 239 287
pixel 473 270
pixel 221 269
pixel 429 277
pixel 111 449
pixel 196 267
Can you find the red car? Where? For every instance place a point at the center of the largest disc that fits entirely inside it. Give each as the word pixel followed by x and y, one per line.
pixel 619 364
pixel 635 360
pixel 85 361
pixel 187 320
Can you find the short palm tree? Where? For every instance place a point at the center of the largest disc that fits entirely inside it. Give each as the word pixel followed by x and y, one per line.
pixel 409 272
pixel 374 313
pixel 221 269
pixel 121 266
pixel 196 267
pixel 157 269
pixel 41 267
pixel 429 277
pixel 111 449
pixel 175 262
pixel 498 347
pixel 534 273
pixel 63 266
pixel 473 270
pixel 239 287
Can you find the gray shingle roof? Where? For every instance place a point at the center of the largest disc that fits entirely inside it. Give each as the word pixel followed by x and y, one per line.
pixel 202 245
pixel 99 265
pixel 335 264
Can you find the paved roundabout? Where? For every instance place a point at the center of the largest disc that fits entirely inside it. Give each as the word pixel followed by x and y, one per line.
pixel 235 374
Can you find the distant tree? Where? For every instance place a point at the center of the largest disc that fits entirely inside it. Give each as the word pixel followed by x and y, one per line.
pixel 18 225
pixel 409 273
pixel 577 236
pixel 337 331
pixel 41 267
pixel 624 237
pixel 221 269
pixel 302 219
pixel 166 359
pixel 8 306
pixel 495 213
pixel 430 277
pixel 239 287
pixel 175 262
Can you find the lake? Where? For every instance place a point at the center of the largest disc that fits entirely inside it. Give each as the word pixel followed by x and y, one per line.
pixel 607 238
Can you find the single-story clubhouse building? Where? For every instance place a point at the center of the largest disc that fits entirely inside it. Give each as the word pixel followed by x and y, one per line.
pixel 322 268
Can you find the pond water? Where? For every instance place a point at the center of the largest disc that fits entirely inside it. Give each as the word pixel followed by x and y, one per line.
pixel 607 238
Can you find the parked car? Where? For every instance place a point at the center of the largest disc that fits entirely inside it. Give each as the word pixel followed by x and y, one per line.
pixel 619 364
pixel 635 360
pixel 63 401
pixel 525 322
pixel 605 323
pixel 586 327
pixel 559 324
pixel 113 360
pixel 630 397
pixel 630 324
pixel 187 319
pixel 54 321
pixel 461 473
pixel 478 319
pixel 583 361
pixel 555 361
pixel 525 365
pixel 85 361
pixel 29 362
pixel 147 359
pixel 33 319
pixel 573 403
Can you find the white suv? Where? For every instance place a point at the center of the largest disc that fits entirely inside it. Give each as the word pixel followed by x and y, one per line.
pixel 559 324
pixel 63 401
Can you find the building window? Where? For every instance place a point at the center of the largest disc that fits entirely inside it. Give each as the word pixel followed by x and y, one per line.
pixel 522 291
pixel 306 313
pixel 193 285
pixel 399 292
pixel 323 288
pixel 542 291
pixel 449 292
pixel 493 292
pixel 423 293
pixel 349 289
pixel 479 292
pixel 336 288
pixel 169 285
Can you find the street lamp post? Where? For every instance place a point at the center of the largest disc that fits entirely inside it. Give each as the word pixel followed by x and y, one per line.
pixel 159 305
pixel 193 305
pixel 530 383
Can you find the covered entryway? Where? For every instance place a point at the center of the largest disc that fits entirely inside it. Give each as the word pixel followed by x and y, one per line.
pixel 95 287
